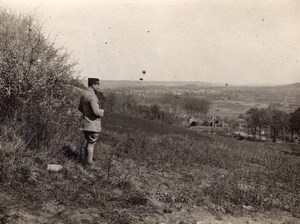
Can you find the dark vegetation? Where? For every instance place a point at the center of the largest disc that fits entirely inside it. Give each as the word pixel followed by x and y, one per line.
pixel 167 108
pixel 36 99
pixel 148 168
pixel 273 122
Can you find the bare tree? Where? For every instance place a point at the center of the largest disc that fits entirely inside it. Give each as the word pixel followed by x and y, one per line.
pixel 294 121
pixel 196 106
pixel 121 102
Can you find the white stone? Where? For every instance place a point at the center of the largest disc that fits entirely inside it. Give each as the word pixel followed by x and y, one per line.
pixel 54 167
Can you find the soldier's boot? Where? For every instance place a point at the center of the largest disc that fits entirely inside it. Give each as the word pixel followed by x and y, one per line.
pixel 90 154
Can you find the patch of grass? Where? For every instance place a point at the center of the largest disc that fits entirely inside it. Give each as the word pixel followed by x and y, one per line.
pixel 219 173
pixel 256 174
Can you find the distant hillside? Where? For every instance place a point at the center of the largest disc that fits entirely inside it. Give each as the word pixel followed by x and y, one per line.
pixel 293 88
pixel 114 84
pixel 289 86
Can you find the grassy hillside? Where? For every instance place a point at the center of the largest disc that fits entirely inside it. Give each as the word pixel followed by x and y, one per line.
pixel 150 172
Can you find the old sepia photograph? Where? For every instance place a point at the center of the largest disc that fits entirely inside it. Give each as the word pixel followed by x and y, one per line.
pixel 149 112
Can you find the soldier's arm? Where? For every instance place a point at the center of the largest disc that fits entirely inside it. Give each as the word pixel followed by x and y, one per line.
pixel 95 107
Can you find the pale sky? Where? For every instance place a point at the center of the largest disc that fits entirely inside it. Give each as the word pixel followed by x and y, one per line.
pixel 224 41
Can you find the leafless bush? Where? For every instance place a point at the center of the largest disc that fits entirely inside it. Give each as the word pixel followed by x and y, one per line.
pixel 34 80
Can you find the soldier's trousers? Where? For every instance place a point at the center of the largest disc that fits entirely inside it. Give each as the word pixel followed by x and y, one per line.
pixel 91 138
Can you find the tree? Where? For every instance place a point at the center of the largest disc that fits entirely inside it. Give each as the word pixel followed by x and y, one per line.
pixel 259 118
pixel 121 102
pixel 294 121
pixel 278 121
pixel 195 106
pixel 264 121
pixel 252 118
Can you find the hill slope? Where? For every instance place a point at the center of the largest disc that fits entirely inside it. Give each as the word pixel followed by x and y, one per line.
pixel 151 173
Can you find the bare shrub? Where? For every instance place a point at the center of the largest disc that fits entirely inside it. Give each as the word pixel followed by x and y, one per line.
pixel 34 78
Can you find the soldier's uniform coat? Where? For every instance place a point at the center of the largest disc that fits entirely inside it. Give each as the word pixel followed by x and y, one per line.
pixel 89 106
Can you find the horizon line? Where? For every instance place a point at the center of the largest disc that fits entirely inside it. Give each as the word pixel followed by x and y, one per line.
pixel 192 81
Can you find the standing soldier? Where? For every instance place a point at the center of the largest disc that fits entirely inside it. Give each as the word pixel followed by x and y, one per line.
pixel 91 118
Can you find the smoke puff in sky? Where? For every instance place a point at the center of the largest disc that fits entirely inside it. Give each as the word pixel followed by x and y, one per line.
pixel 230 41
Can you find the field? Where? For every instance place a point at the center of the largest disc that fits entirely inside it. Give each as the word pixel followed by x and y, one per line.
pixel 233 108
pixel 152 173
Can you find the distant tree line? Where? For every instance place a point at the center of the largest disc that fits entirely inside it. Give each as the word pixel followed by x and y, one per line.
pixel 274 122
pixel 164 108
